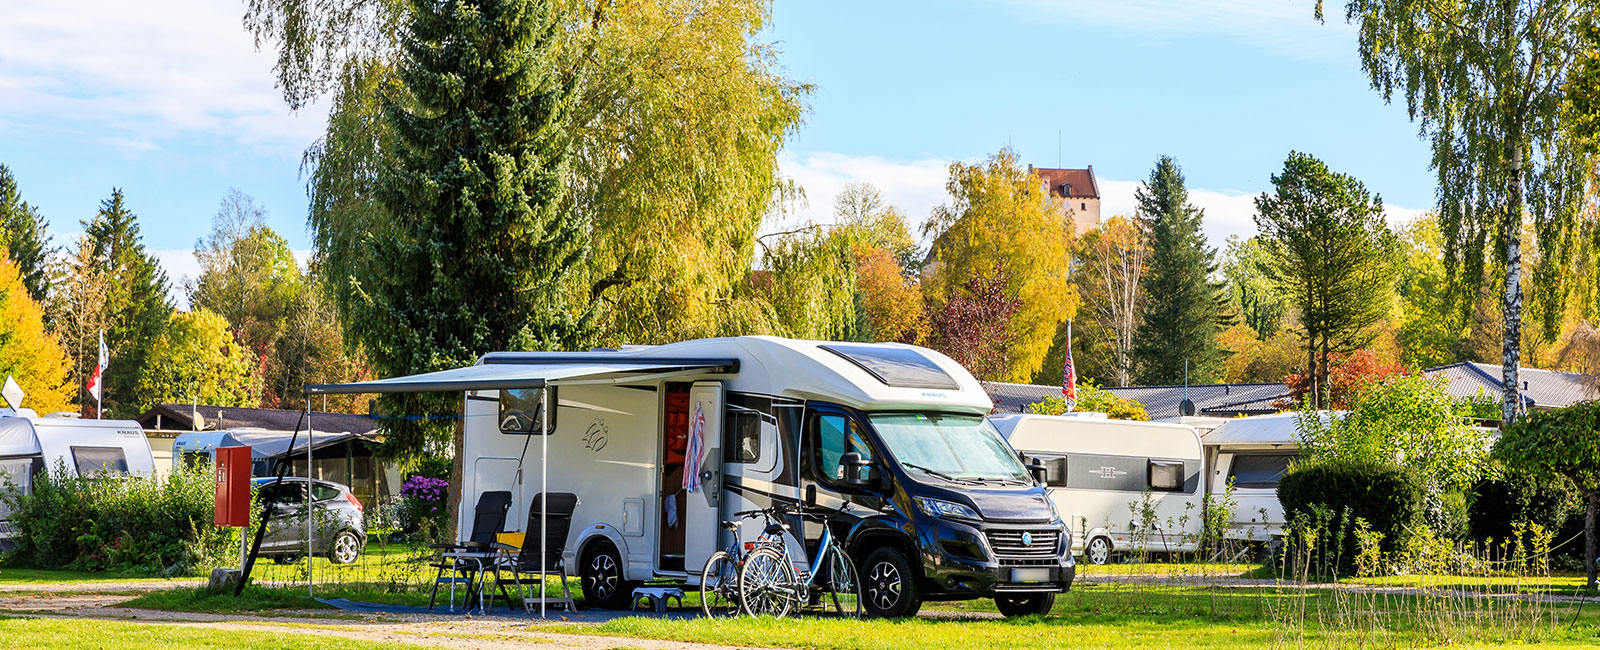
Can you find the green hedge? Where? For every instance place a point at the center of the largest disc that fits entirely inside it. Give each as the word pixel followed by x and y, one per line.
pixel 1386 496
pixel 155 526
pixel 1502 501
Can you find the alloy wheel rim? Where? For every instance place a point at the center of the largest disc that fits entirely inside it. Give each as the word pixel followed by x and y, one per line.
pixel 1098 554
pixel 883 583
pixel 345 548
pixel 604 580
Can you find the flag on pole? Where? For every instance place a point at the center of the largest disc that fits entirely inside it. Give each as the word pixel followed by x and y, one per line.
pixel 697 449
pixel 1069 376
pixel 99 369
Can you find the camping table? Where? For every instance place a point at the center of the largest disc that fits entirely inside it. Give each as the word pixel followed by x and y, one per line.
pixel 478 559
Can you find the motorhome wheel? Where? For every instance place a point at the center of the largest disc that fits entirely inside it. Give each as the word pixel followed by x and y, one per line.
pixel 889 585
pixel 1098 551
pixel 601 576
pixel 1030 605
pixel 346 548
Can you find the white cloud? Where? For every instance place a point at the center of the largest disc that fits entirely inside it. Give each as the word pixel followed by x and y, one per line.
pixel 1227 212
pixel 137 73
pixel 913 186
pixel 1287 28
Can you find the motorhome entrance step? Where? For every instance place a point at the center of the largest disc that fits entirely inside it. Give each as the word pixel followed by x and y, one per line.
pixel 657 596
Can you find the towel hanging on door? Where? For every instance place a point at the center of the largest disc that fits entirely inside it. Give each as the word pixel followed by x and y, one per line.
pixel 697 449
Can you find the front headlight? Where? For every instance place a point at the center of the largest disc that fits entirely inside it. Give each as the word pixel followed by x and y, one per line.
pixel 949 509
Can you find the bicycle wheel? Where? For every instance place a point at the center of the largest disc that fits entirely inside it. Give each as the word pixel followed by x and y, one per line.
pixel 719 586
pixel 842 590
pixel 766 583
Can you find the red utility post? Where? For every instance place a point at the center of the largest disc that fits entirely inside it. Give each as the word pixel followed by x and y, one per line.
pixel 233 487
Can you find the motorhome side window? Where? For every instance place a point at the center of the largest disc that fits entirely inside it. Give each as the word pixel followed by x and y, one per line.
pixel 94 461
pixel 1258 470
pixel 521 411
pixel 743 444
pixel 1166 475
pixel 833 435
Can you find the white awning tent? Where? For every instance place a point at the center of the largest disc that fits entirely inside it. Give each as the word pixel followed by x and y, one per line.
pixel 534 370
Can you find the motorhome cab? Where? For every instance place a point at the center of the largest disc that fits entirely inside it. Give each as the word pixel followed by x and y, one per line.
pixel 934 504
pixel 1122 485
pixel 30 444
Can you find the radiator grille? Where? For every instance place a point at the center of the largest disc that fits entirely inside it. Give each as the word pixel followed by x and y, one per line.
pixel 1009 548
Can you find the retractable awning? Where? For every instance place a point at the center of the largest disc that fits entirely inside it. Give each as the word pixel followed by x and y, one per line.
pixel 534 370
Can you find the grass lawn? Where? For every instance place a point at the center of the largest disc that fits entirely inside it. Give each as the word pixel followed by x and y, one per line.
pixel 10 576
pixel 101 634
pixel 1051 632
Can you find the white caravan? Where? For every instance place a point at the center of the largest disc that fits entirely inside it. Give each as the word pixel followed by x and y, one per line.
pixel 1122 485
pixel 934 504
pixel 1251 454
pixel 30 444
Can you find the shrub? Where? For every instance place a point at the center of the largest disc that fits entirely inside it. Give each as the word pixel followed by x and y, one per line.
pixel 155 526
pixel 1511 497
pixel 423 507
pixel 1330 496
pixel 1092 397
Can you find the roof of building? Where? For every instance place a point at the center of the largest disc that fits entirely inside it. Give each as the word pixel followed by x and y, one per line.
pixel 1222 400
pixel 1069 183
pixel 1541 388
pixel 180 417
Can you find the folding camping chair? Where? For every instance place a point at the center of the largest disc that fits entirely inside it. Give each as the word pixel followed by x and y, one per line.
pixel 466 562
pixel 525 560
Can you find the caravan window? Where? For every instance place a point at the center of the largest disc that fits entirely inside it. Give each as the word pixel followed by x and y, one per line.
pixel 17 474
pixel 1166 475
pixel 743 443
pixel 94 461
pixel 521 411
pixel 1258 470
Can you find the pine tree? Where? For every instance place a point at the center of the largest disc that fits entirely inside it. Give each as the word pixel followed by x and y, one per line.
pixel 22 231
pixel 482 241
pixel 1330 254
pixel 1185 309
pixel 137 305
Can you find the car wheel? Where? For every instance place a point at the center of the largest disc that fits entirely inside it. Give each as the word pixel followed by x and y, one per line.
pixel 601 575
pixel 1098 552
pixel 1030 605
pixel 286 559
pixel 889 585
pixel 346 548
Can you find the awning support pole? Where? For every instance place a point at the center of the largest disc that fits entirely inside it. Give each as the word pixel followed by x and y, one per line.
pixel 311 582
pixel 544 502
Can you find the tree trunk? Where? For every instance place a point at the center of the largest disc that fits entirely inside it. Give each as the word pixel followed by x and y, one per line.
pixel 454 494
pixel 1511 350
pixel 1592 500
pixel 1311 372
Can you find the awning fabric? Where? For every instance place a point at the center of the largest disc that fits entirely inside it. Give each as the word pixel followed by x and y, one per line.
pixel 499 376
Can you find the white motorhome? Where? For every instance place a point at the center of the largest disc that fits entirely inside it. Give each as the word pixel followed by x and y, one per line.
pixel 1122 485
pixel 30 444
pixel 934 504
pixel 1251 454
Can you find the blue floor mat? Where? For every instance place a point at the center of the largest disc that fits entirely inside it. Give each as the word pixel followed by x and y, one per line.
pixel 380 608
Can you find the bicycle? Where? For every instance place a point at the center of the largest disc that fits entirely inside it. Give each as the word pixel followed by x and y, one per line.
pixel 770 585
pixel 719 579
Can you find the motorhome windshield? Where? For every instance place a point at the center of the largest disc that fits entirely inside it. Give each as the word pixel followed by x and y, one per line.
pixel 950 446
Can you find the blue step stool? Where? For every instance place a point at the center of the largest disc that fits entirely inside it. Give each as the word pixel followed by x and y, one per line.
pixel 657 596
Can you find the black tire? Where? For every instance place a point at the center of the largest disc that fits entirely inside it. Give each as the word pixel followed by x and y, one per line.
pixel 601 574
pixel 286 559
pixel 889 586
pixel 1029 605
pixel 345 549
pixel 1098 551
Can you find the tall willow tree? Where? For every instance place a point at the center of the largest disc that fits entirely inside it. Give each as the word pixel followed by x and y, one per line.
pixel 1486 79
pixel 676 121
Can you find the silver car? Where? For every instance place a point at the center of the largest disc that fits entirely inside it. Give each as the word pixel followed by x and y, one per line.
pixel 340 534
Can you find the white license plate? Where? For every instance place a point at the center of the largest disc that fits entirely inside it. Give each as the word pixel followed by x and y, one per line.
pixel 1030 575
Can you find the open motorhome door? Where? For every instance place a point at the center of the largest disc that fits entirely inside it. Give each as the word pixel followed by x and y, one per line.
pixel 703 511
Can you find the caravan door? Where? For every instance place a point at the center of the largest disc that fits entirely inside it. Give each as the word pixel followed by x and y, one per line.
pixel 703 507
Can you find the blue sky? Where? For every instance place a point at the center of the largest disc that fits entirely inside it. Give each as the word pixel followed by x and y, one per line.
pixel 176 106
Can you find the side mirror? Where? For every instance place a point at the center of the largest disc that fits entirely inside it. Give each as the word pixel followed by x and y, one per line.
pixel 854 469
pixel 811 495
pixel 1041 474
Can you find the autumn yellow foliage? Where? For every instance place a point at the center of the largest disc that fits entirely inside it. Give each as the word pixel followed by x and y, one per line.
pixel 27 352
pixel 1001 217
pixel 891 302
